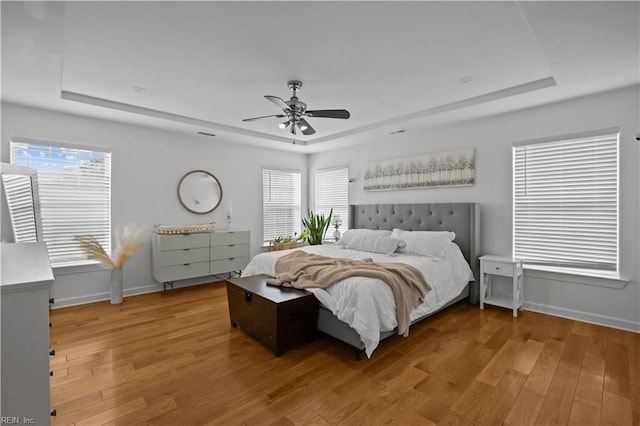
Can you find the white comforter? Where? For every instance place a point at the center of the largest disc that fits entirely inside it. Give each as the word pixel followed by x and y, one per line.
pixel 369 307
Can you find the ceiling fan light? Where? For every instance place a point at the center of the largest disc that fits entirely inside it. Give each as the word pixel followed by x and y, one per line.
pixel 284 124
pixel 303 127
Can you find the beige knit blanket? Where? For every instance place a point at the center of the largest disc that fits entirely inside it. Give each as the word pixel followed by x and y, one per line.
pixel 300 269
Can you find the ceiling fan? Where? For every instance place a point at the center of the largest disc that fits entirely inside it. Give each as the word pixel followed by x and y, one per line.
pixel 295 110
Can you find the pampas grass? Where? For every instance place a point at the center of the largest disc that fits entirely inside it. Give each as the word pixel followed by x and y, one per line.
pixel 128 240
pixel 93 249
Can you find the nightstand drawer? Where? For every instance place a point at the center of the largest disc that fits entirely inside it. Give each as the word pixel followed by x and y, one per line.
pixel 497 268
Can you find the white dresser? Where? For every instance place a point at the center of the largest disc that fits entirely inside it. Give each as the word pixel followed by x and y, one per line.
pixel 25 281
pixel 181 256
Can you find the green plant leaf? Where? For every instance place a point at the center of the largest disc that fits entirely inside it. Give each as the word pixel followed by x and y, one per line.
pixel 315 227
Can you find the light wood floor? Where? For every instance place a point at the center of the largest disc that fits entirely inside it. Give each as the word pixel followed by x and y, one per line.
pixel 174 359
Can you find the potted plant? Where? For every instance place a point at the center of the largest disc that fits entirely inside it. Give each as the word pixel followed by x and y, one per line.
pixel 315 226
pixel 285 243
pixel 129 239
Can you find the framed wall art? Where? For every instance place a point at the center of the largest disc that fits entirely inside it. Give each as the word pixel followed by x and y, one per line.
pixel 450 168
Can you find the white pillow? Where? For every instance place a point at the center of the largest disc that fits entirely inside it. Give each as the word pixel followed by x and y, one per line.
pixel 356 234
pixel 374 241
pixel 424 243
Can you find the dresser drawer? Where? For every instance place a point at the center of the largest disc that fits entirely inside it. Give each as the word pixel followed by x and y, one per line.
pixel 180 257
pixel 230 251
pixel 228 238
pixel 180 272
pixel 497 268
pixel 228 265
pixel 182 241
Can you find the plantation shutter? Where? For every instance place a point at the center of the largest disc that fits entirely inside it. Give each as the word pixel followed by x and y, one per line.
pixel 17 190
pixel 566 201
pixel 75 195
pixel 281 203
pixel 332 192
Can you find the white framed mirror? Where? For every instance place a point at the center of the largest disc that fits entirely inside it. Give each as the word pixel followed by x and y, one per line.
pixel 199 192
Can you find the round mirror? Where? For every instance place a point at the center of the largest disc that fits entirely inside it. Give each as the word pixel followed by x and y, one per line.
pixel 199 192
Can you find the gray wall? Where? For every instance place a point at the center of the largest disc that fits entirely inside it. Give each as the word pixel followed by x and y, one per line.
pixel 147 165
pixel 492 137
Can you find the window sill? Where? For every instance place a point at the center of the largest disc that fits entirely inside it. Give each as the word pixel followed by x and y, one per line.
pixel 78 268
pixel 599 279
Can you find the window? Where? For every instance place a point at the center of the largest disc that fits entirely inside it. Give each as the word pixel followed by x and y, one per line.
pixel 75 195
pixel 565 201
pixel 281 203
pixel 332 192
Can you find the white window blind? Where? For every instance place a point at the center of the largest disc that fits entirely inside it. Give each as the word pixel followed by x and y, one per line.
pixel 75 195
pixel 281 203
pixel 566 202
pixel 332 192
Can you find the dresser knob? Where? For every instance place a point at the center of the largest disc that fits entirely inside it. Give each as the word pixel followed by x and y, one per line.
pixel 52 352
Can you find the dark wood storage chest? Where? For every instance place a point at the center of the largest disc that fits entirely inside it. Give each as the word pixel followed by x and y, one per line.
pixel 279 317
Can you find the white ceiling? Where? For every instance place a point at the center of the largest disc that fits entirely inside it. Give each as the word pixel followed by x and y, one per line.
pixel 204 66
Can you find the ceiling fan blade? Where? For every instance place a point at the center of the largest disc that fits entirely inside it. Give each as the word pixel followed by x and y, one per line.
pixel 265 116
pixel 279 102
pixel 305 127
pixel 329 113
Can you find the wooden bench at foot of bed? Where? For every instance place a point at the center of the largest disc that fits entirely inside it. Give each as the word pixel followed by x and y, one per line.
pixel 279 317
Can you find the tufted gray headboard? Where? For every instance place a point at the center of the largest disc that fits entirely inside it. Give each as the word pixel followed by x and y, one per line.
pixel 461 218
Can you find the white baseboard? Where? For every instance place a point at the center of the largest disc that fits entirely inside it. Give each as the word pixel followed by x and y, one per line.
pixel 99 297
pixel 588 317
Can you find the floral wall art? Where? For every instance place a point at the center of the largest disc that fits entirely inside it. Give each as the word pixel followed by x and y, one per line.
pixel 451 168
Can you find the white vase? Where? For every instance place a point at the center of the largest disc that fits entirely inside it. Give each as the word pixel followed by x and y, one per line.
pixel 116 286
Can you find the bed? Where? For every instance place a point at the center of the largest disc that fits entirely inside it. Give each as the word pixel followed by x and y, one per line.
pixel 362 313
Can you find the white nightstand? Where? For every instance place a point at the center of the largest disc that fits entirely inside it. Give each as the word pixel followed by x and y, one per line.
pixel 506 267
